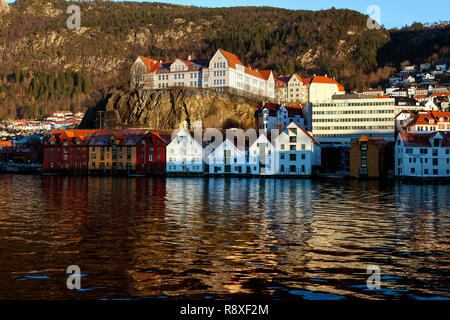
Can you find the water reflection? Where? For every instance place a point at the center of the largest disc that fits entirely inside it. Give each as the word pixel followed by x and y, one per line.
pixel 196 237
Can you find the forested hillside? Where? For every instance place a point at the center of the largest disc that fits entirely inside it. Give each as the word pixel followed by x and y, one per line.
pixel 45 66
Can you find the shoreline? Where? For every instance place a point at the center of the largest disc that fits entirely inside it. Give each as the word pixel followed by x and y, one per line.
pixel 320 177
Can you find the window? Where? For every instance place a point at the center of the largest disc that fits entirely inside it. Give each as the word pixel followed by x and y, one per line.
pixel 292 157
pixel 293 148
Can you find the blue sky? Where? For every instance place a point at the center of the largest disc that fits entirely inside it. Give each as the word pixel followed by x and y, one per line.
pixel 394 13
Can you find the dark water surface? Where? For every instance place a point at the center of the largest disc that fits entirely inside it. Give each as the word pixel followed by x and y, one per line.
pixel 219 238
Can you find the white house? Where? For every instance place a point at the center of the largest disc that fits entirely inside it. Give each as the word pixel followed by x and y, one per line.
pixel 275 116
pixel 227 159
pixel 297 151
pixel 184 154
pixel 262 156
pixel 422 154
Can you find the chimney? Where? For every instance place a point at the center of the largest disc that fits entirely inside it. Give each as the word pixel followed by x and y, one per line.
pixel 189 57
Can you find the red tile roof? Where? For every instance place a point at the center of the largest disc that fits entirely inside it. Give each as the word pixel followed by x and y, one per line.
pixel 424 118
pixel 232 59
pixel 252 72
pixel 323 79
pixel 265 74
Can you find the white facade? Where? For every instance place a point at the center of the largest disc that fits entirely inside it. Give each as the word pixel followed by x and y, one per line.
pixel 184 154
pixel 422 155
pixel 222 72
pixel 340 120
pixel 262 157
pixel 297 151
pixel 227 159
pixel 322 89
pixel 274 116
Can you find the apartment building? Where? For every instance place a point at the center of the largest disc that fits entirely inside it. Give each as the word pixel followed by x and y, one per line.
pixel 422 154
pixel 224 72
pixel 367 157
pixel 67 150
pixel 292 89
pixel 351 116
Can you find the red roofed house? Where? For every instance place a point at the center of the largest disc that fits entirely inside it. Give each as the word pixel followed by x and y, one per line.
pixel 223 72
pixel 422 154
pixel 323 88
pixel 429 121
pixel 67 150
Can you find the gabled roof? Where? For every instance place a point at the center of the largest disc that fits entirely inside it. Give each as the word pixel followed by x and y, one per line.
pixel 151 64
pixel 265 74
pixel 306 132
pixel 323 79
pixel 425 118
pixel 232 59
pixel 423 139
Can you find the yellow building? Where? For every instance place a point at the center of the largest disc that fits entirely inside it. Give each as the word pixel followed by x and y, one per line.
pixel 367 157
pixel 114 150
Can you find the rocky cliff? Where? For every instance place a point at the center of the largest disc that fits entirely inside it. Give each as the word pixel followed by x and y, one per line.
pixel 4 6
pixel 168 108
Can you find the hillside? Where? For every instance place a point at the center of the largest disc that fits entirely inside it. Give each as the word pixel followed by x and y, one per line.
pixel 45 66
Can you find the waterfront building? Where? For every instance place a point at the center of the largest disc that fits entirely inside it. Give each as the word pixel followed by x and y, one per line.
pixel 67 150
pixel 151 153
pixel 297 151
pixel 227 158
pixel 367 157
pixel 115 150
pixel 350 116
pixel 422 154
pixel 6 151
pixel 185 154
pixel 224 72
pixel 276 116
pixel 262 156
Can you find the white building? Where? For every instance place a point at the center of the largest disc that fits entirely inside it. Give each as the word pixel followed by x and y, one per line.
pixel 223 72
pixel 262 156
pixel 423 154
pixel 322 89
pixel 184 154
pixel 275 116
pixel 297 151
pixel 227 159
pixel 351 116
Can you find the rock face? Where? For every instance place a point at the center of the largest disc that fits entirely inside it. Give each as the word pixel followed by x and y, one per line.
pixel 168 108
pixel 4 7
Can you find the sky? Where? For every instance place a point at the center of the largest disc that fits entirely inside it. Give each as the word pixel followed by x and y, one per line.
pixel 393 13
